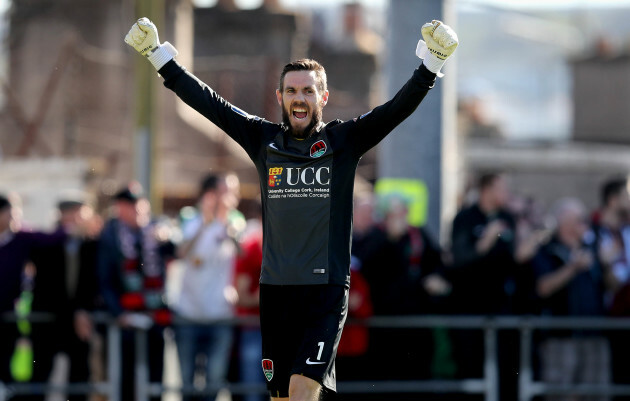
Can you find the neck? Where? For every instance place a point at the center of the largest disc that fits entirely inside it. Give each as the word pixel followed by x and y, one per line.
pixel 308 134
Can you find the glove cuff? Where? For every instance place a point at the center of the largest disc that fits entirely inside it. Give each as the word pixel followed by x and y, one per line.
pixel 434 64
pixel 162 55
pixel 430 61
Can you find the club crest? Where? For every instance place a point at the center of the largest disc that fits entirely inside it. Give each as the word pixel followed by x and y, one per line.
pixel 318 148
pixel 267 366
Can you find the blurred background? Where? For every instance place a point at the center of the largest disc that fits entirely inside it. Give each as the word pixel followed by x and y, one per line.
pixel 536 98
pixel 540 89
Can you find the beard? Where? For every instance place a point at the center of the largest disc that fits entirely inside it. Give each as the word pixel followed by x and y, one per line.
pixel 305 132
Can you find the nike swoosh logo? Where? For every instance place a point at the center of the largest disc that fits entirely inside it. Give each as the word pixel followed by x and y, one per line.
pixel 308 362
pixel 273 146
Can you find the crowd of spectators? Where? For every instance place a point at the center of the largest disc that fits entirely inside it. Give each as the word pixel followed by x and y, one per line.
pixel 505 256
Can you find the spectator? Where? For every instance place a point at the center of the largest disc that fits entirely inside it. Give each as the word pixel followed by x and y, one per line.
pixel 483 276
pixel 613 234
pixel 531 233
pixel 402 266
pixel 483 246
pixel 570 283
pixel 246 282
pixel 208 251
pixel 131 271
pixel 362 223
pixel 352 353
pixel 66 286
pixel 354 344
pixel 16 249
pixel 613 244
pixel 412 260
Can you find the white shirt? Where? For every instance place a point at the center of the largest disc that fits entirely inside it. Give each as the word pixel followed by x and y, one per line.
pixel 208 272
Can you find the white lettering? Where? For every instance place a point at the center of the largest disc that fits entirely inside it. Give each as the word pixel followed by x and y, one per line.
pixel 308 176
pixel 289 173
pixel 318 175
pixel 303 176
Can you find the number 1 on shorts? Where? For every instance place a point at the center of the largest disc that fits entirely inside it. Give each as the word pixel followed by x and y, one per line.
pixel 321 349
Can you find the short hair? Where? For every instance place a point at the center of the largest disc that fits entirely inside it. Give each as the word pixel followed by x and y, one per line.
pixel 564 206
pixel 69 204
pixel 209 183
pixel 613 188
pixel 127 194
pixel 4 203
pixel 306 64
pixel 486 180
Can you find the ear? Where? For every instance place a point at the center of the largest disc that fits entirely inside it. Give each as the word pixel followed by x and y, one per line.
pixel 324 98
pixel 279 96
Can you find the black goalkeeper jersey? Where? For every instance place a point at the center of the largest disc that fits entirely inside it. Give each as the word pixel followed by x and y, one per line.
pixel 306 185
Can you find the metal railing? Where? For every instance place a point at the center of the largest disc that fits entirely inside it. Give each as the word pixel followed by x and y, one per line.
pixel 488 385
pixel 110 388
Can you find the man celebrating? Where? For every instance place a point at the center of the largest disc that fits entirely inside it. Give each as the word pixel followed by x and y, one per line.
pixel 306 170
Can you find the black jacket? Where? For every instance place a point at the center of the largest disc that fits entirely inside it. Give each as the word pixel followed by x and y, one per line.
pixel 306 186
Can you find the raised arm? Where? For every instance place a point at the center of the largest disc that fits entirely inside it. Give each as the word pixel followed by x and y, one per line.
pixel 440 41
pixel 244 128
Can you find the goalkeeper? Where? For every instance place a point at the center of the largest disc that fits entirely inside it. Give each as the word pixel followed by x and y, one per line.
pixel 306 170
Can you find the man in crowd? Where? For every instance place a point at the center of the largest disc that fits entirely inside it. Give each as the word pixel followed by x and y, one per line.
pixel 66 285
pixel 208 252
pixel 16 249
pixel 483 246
pixel 131 271
pixel 306 170
pixel 570 282
pixel 403 267
pixel 483 275
pixel 612 232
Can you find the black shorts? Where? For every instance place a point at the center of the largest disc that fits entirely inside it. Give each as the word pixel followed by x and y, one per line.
pixel 301 327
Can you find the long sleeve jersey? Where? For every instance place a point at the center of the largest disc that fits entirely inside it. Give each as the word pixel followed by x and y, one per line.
pixel 306 185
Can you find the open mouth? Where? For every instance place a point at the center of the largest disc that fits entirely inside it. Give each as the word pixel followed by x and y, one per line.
pixel 300 113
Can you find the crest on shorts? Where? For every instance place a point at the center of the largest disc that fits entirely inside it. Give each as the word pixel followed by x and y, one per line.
pixel 267 366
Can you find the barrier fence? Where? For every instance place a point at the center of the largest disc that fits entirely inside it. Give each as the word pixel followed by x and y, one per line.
pixel 488 385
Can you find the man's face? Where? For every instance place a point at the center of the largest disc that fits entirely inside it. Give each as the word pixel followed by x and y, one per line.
pixel 396 223
pixel 578 223
pixel 127 212
pixel 501 191
pixel 71 217
pixel 212 198
pixel 301 102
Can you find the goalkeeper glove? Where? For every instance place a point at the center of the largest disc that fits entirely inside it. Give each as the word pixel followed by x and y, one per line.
pixel 440 41
pixel 143 36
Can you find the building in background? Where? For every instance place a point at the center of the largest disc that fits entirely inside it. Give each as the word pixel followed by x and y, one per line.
pixel 558 127
pixel 70 81
pixel 551 108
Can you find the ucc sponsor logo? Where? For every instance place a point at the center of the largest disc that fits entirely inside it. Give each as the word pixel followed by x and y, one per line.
pixel 308 176
pixel 299 176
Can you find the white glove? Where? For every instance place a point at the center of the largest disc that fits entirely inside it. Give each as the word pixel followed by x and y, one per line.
pixel 440 41
pixel 143 36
